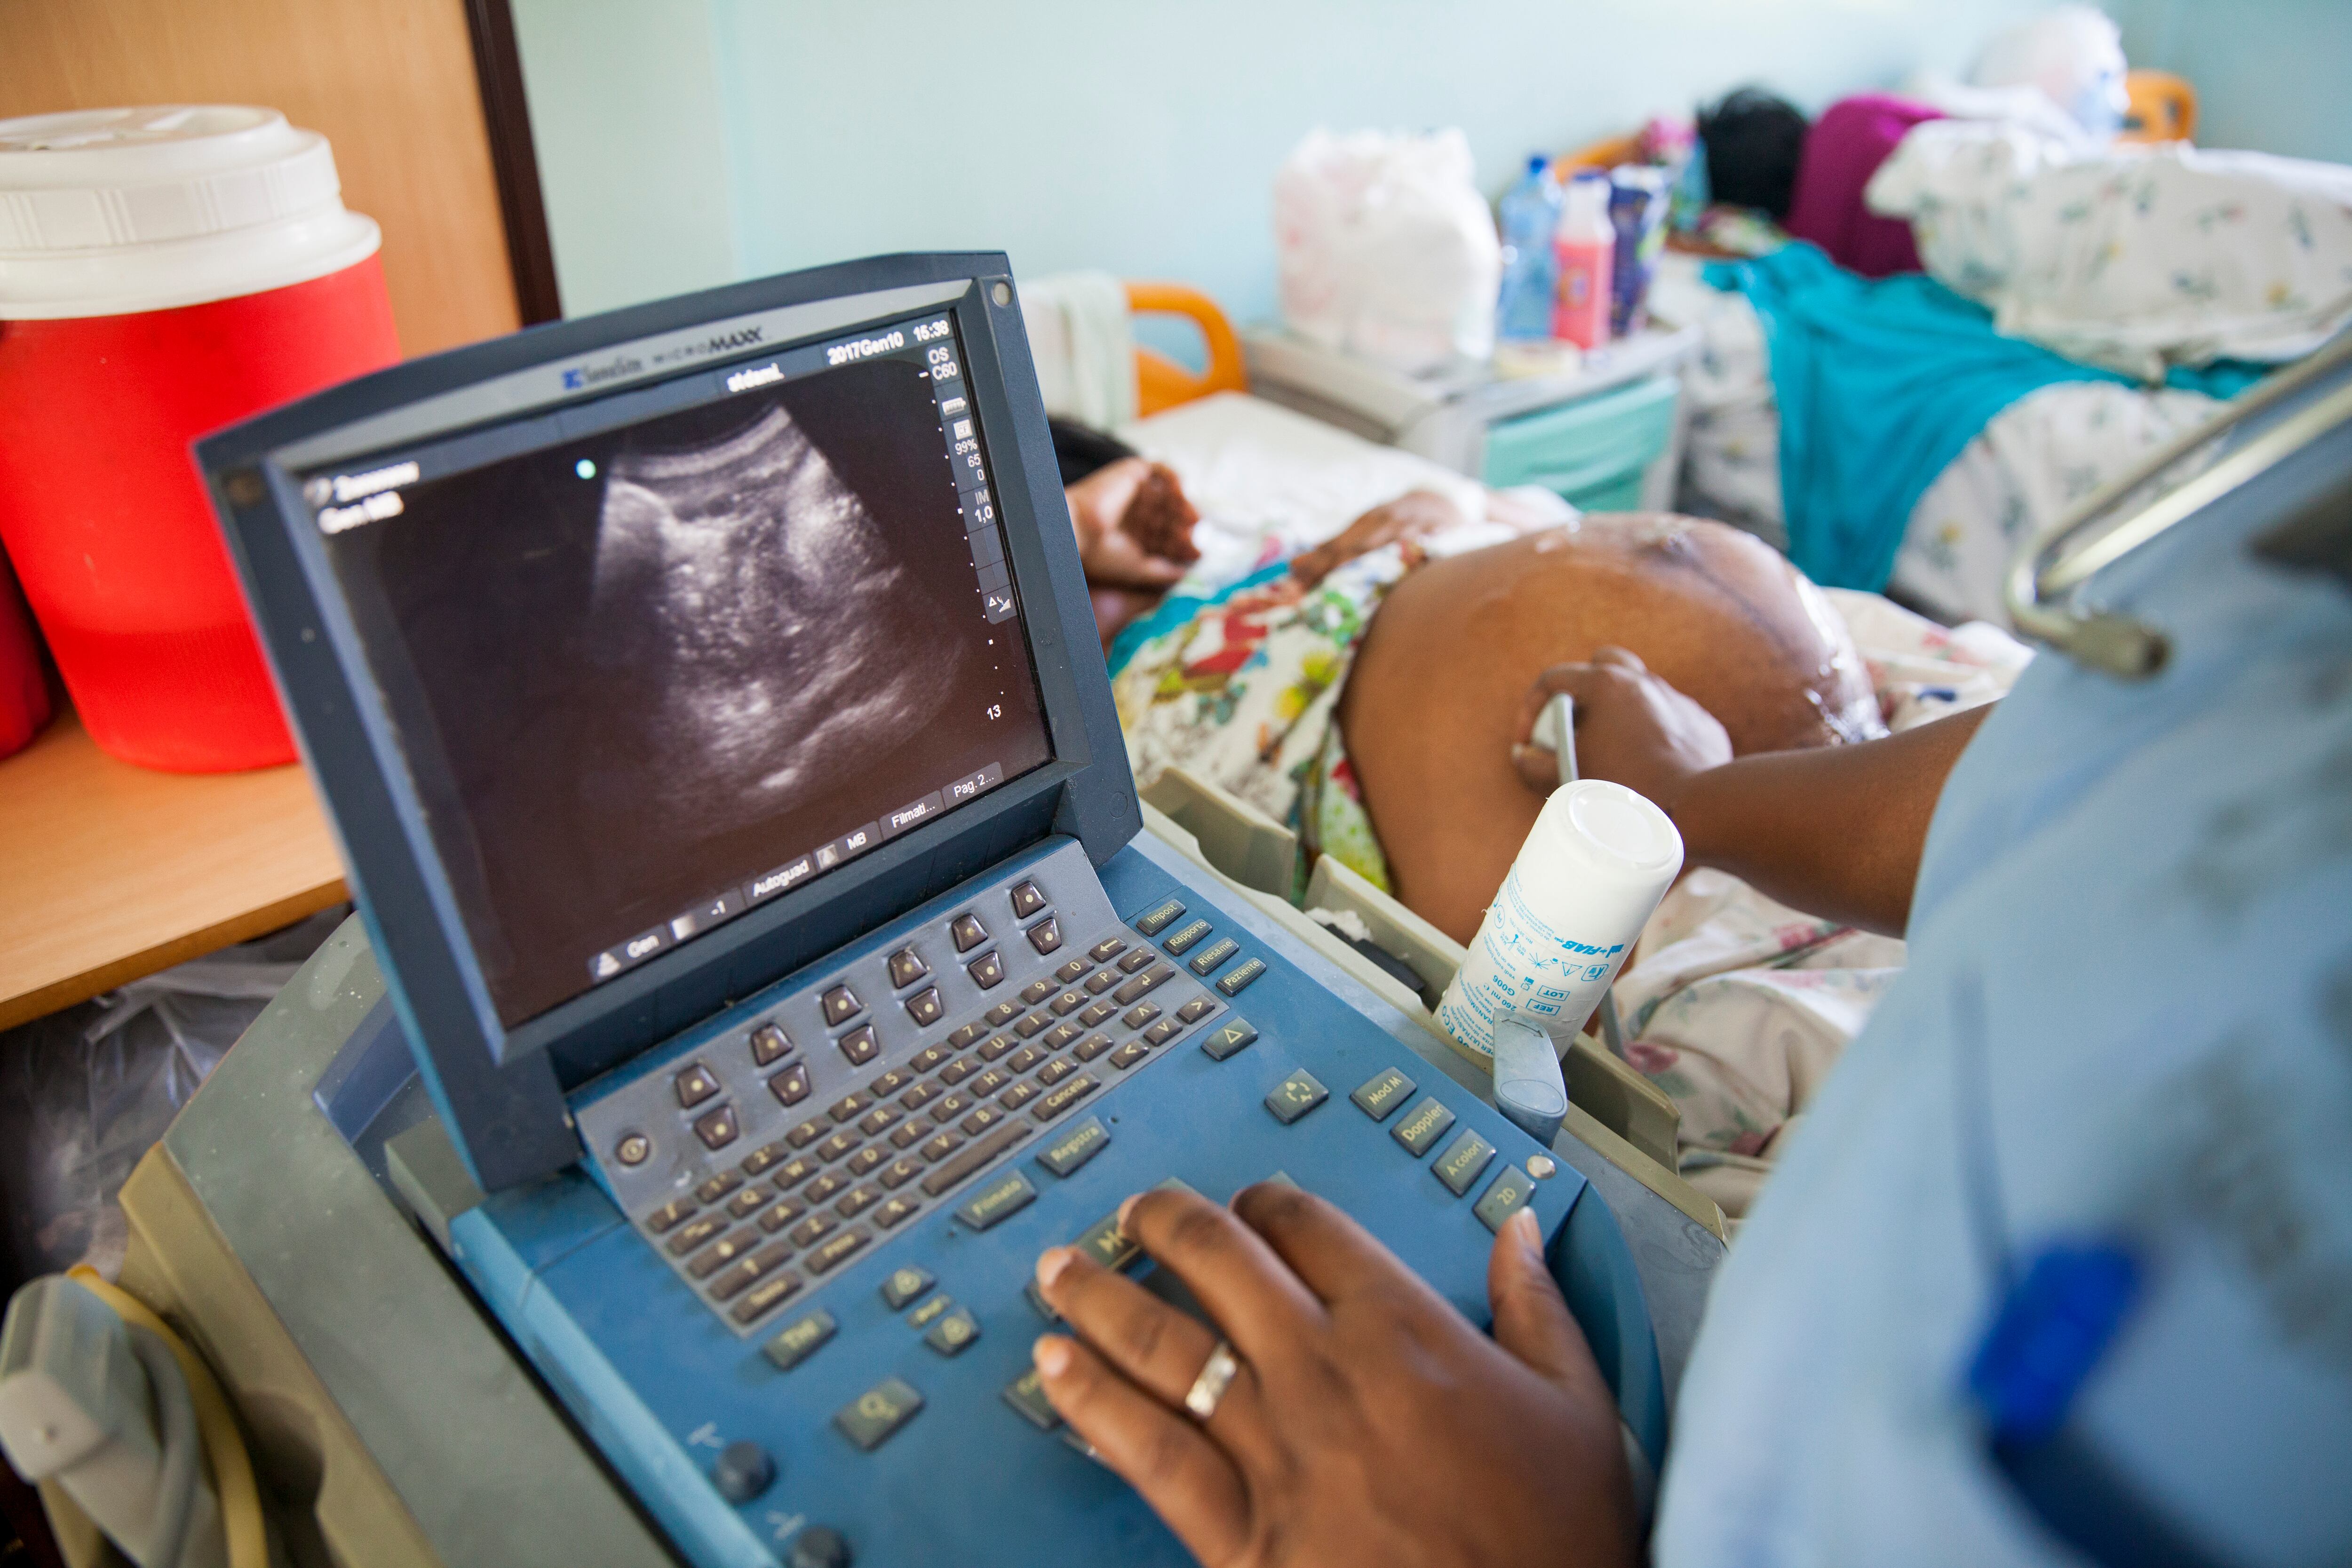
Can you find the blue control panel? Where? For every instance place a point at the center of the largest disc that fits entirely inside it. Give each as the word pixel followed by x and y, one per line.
pixel 809 1224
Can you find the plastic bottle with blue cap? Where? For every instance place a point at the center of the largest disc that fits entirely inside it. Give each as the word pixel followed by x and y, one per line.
pixel 1530 214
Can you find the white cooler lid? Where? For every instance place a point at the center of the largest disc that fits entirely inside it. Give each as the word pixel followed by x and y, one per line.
pixel 104 212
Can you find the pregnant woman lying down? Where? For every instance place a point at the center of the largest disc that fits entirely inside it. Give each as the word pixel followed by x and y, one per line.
pixel 1357 649
pixel 1370 684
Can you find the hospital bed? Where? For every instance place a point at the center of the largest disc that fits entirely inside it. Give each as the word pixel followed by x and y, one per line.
pixel 2111 260
pixel 1681 417
pixel 2015 477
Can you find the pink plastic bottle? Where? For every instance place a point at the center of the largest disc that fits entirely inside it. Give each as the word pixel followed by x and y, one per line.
pixel 1584 247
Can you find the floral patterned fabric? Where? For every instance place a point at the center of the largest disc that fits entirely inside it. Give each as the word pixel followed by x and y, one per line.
pixel 2136 258
pixel 2030 462
pixel 1240 693
pixel 2035 459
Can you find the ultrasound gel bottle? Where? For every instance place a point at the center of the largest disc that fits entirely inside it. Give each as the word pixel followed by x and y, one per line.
pixel 1594 868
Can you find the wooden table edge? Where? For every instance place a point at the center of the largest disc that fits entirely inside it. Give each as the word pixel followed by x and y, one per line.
pixel 27 1006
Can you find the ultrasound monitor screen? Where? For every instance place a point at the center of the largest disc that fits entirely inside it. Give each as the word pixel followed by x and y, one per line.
pixel 656 659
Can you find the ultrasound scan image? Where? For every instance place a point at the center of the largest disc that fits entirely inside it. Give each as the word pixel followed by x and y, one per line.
pixel 754 587
pixel 636 669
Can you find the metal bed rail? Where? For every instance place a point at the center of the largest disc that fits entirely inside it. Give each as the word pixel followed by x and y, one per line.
pixel 2042 590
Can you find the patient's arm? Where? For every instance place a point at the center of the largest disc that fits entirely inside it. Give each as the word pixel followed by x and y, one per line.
pixel 1836 832
pixel 1134 528
pixel 1432 705
pixel 1407 520
pixel 1126 575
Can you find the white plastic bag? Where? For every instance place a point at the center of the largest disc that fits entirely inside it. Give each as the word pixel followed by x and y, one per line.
pixel 85 1091
pixel 1386 251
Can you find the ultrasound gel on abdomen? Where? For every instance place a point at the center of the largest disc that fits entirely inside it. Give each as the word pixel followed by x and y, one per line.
pixel 1592 869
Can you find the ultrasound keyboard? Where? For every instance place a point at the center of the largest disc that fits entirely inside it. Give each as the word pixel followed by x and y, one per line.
pixel 840 1155
pixel 864 1201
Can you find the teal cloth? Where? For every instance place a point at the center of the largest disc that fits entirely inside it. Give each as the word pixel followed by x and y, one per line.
pixel 1881 382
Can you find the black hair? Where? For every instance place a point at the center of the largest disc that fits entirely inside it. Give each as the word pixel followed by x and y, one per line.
pixel 1753 140
pixel 1081 449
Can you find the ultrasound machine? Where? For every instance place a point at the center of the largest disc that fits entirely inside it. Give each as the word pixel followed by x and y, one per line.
pixel 709 704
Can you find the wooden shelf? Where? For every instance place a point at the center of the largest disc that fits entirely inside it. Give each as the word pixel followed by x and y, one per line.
pixel 108 872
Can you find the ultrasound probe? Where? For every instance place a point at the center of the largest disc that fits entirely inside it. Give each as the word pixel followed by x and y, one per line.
pixel 1556 726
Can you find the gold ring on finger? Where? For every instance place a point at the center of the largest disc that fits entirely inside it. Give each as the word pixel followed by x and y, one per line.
pixel 1217 1374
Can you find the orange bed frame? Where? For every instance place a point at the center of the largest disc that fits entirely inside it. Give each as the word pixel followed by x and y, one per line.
pixel 2163 107
pixel 1160 383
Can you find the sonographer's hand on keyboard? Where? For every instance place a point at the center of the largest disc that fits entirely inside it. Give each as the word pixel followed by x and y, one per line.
pixel 1632 728
pixel 1369 1422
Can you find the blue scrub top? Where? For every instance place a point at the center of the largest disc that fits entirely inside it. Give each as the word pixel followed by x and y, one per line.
pixel 2131 953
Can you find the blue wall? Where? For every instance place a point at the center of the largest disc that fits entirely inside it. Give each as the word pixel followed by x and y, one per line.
pixel 684 141
pixel 632 147
pixel 2270 74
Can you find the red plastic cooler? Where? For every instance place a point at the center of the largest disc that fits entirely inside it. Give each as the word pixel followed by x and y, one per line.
pixel 164 272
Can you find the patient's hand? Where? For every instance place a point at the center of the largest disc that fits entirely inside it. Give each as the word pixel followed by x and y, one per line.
pixel 1408 519
pixel 1631 728
pixel 1370 1423
pixel 1111 555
